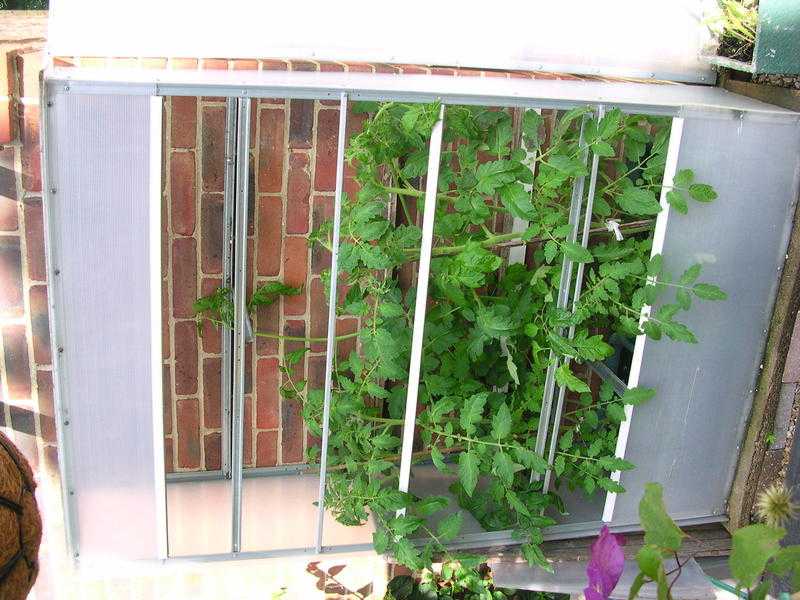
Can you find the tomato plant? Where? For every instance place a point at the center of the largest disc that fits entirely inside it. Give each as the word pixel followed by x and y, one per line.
pixel 491 328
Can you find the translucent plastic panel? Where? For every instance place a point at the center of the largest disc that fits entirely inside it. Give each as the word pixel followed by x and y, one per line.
pixel 705 390
pixel 102 226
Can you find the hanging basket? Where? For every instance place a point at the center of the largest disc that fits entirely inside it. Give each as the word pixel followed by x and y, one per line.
pixel 20 524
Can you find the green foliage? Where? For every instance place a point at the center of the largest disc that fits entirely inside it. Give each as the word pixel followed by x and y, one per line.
pixel 492 329
pixel 756 552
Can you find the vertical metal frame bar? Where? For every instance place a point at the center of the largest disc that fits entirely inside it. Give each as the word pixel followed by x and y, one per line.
pixel 60 402
pixel 227 279
pixel 156 358
pixel 576 296
pixel 240 315
pixel 420 305
pixel 564 286
pixel 659 235
pixel 330 346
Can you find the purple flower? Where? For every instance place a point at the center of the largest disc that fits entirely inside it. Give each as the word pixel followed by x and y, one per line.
pixel 605 565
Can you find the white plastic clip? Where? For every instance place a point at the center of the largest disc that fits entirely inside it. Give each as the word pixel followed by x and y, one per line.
pixel 613 226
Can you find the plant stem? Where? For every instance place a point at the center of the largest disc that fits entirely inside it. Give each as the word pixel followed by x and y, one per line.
pixel 295 338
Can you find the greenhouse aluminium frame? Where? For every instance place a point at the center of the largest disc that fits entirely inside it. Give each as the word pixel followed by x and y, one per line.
pixel 116 203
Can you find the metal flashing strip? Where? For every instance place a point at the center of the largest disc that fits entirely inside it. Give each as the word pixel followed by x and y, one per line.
pixel 576 296
pixel 240 314
pixel 564 287
pixel 659 234
pixel 60 400
pixel 227 278
pixel 330 346
pixel 648 98
pixel 423 275
pixel 606 374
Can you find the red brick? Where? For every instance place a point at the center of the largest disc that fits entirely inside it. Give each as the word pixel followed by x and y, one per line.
pixel 267 449
pixel 303 65
pixel 64 61
pixel 169 456
pixel 295 328
pixel 188 413
pixel 31 157
pixel 267 396
pixel 184 277
pixel 248 431
pixel 167 399
pixel 183 63
pixel 215 63
pixel 298 194
pixel 9 220
pixel 212 443
pixel 185 358
pixel 212 393
pixel 18 373
pixel 212 334
pixel 413 70
pixel 184 122
pixel 268 321
pixel 182 192
pixel 40 326
pixel 319 313
pixel 322 210
pixel 301 123
pixel 329 66
pixel 271 150
pixel 295 271
pixel 384 68
pixel 270 217
pixel 327 140
pixel 343 327
pixel 44 392
pixel 23 421
pixel 291 431
pixel 245 65
pixel 213 140
pixel 358 67
pixel 29 65
pixel 274 65
pixel 442 71
pixel 11 299
pixel 211 232
pixel 316 381
pixel 154 63
pixel 34 239
pixel 468 73
pixel 6 120
pixel 248 368
pixel 165 314
pixel 498 74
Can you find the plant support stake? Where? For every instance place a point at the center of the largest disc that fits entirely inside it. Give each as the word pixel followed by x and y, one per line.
pixel 330 346
pixel 240 314
pixel 423 274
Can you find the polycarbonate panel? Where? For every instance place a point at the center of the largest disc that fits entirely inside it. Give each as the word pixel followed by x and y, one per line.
pixel 99 227
pixel 688 437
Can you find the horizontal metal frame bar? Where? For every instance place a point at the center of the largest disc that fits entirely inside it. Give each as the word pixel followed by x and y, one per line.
pixel 645 98
pixel 302 469
pixel 606 374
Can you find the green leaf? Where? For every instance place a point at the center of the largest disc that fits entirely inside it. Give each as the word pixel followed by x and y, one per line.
pixel 637 584
pixel 468 471
pixel 517 201
pixel 654 265
pixel 441 408
pixel 576 252
pixel 472 411
pixel 683 178
pixel 677 201
pixel 380 540
pixel 269 293
pixel 407 554
pixel 785 560
pixel 753 546
pixel 565 443
pixel 535 557
pixel 501 422
pixel 499 138
pixel 649 560
pixel 405 524
pixel 659 529
pixel 616 412
pixel 390 309
pixel 431 504
pixel 530 459
pixel 565 378
pixel 438 460
pixel 559 465
pixel 638 201
pixel 702 192
pixel 517 504
pixel 691 274
pixel 609 123
pixel 708 291
pixel 492 175
pixel 504 468
pixel 531 122
pixel 450 526
pixel 637 395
